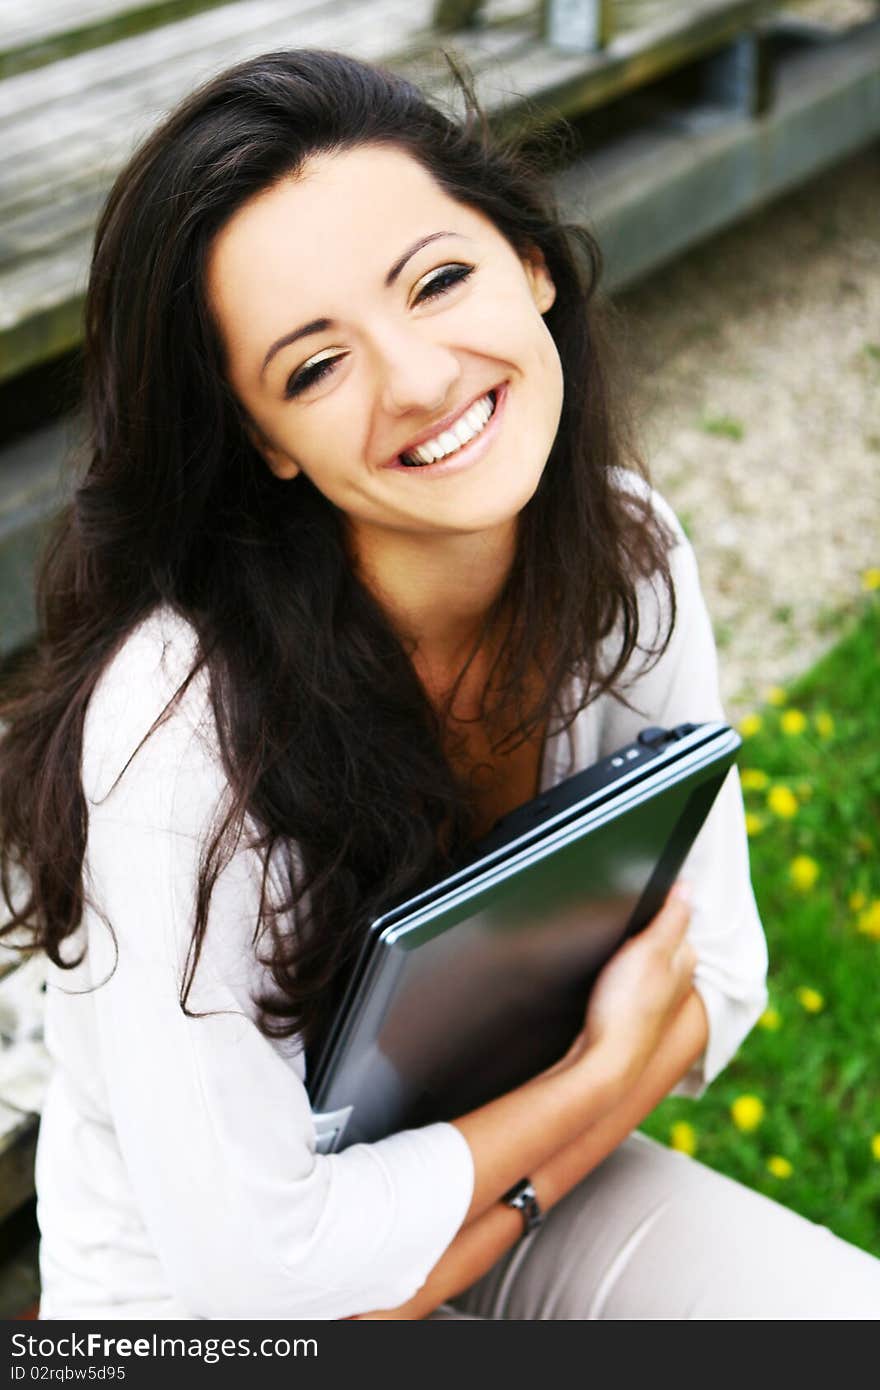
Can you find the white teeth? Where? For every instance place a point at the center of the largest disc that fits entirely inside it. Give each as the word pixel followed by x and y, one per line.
pixel 448 441
pixel 464 430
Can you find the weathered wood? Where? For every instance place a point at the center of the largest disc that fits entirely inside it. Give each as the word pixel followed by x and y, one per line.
pixel 51 189
pixel 31 489
pixel 111 112
pixel 18 1144
pixel 570 84
pixel 579 26
pixel 720 165
pixel 46 193
pixel 739 77
pixel 31 36
pixel 450 15
pixel 114 111
pixel 24 1071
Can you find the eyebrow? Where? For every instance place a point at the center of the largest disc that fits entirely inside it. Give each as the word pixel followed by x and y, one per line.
pixel 321 325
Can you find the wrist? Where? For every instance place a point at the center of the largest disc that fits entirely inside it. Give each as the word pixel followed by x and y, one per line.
pixel 524 1199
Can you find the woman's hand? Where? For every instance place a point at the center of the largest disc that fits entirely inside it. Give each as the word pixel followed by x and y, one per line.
pixel 640 990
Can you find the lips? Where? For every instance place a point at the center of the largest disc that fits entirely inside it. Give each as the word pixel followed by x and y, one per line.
pixel 465 456
pixel 440 426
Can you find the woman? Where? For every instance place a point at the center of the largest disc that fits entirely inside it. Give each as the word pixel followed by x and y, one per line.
pixel 360 560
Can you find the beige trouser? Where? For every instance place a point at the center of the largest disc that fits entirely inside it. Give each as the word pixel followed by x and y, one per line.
pixel 654 1234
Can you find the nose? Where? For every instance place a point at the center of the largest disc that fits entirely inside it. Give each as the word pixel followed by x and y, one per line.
pixel 418 375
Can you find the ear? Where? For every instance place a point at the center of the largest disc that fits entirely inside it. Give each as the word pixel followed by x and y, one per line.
pixel 539 278
pixel 281 464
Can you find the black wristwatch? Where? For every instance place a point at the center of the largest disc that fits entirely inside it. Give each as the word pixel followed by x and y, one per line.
pixel 524 1197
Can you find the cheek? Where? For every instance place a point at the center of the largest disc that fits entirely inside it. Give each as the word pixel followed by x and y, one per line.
pixel 327 449
pixel 546 373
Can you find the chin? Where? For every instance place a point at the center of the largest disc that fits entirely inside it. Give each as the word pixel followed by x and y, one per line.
pixel 499 511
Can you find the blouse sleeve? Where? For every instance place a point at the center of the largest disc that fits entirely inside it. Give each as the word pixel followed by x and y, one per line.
pixel 725 930
pixel 211 1117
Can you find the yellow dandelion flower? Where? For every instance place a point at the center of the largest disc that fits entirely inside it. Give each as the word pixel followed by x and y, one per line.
pixel 779 1166
pixel 775 695
pixel 754 823
pixel 857 901
pixel 793 721
pixel 753 779
pixel 747 1112
pixel 750 724
pixel 683 1137
pixel 824 724
pixel 875 1147
pixel 869 920
pixel 803 872
pixel 871 579
pixel 770 1020
pixel 810 999
pixel 782 802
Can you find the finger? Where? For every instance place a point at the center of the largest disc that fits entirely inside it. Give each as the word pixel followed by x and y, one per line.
pixel 681 891
pixel 685 959
pixel 673 919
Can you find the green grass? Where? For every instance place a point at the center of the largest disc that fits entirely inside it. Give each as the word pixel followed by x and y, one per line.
pixel 724 426
pixel 817 1073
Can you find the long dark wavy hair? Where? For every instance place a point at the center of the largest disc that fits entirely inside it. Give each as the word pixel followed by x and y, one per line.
pixel 174 506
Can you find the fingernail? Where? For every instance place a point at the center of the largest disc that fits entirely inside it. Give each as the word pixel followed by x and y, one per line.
pixel 683 892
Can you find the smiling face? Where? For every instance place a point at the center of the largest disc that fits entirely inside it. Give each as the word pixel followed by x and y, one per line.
pixel 365 313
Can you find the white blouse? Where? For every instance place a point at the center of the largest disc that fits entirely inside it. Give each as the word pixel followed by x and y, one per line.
pixel 177 1175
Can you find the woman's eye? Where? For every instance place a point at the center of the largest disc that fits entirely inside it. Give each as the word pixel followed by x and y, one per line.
pixel 309 376
pixel 444 280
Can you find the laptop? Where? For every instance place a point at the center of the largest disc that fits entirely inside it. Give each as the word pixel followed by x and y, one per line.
pixel 479 982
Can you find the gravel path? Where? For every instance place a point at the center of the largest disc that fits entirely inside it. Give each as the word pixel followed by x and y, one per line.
pixel 758 387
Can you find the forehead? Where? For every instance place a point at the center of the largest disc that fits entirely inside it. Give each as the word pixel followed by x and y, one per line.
pixel 338 222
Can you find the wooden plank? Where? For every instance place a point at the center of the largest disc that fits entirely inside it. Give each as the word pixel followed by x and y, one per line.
pixel 41 306
pixel 539 78
pixel 722 166
pixel 18 1145
pixel 40 227
pixel 739 77
pixel 450 15
pixel 149 78
pixel 231 23
pixel 39 313
pixel 31 37
pixel 150 75
pixel 24 1072
pixel 32 485
pixel 579 26
pixel 117 103
pixel 515 72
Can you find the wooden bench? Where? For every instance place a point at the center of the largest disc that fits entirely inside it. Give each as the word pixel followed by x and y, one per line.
pixel 106 100
pixel 33 35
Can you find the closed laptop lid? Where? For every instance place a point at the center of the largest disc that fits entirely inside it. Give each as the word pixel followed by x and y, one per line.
pixel 480 983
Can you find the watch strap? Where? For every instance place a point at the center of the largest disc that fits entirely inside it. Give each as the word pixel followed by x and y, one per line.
pixel 524 1198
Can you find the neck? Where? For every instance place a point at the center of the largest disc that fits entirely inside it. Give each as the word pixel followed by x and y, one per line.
pixel 436 590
